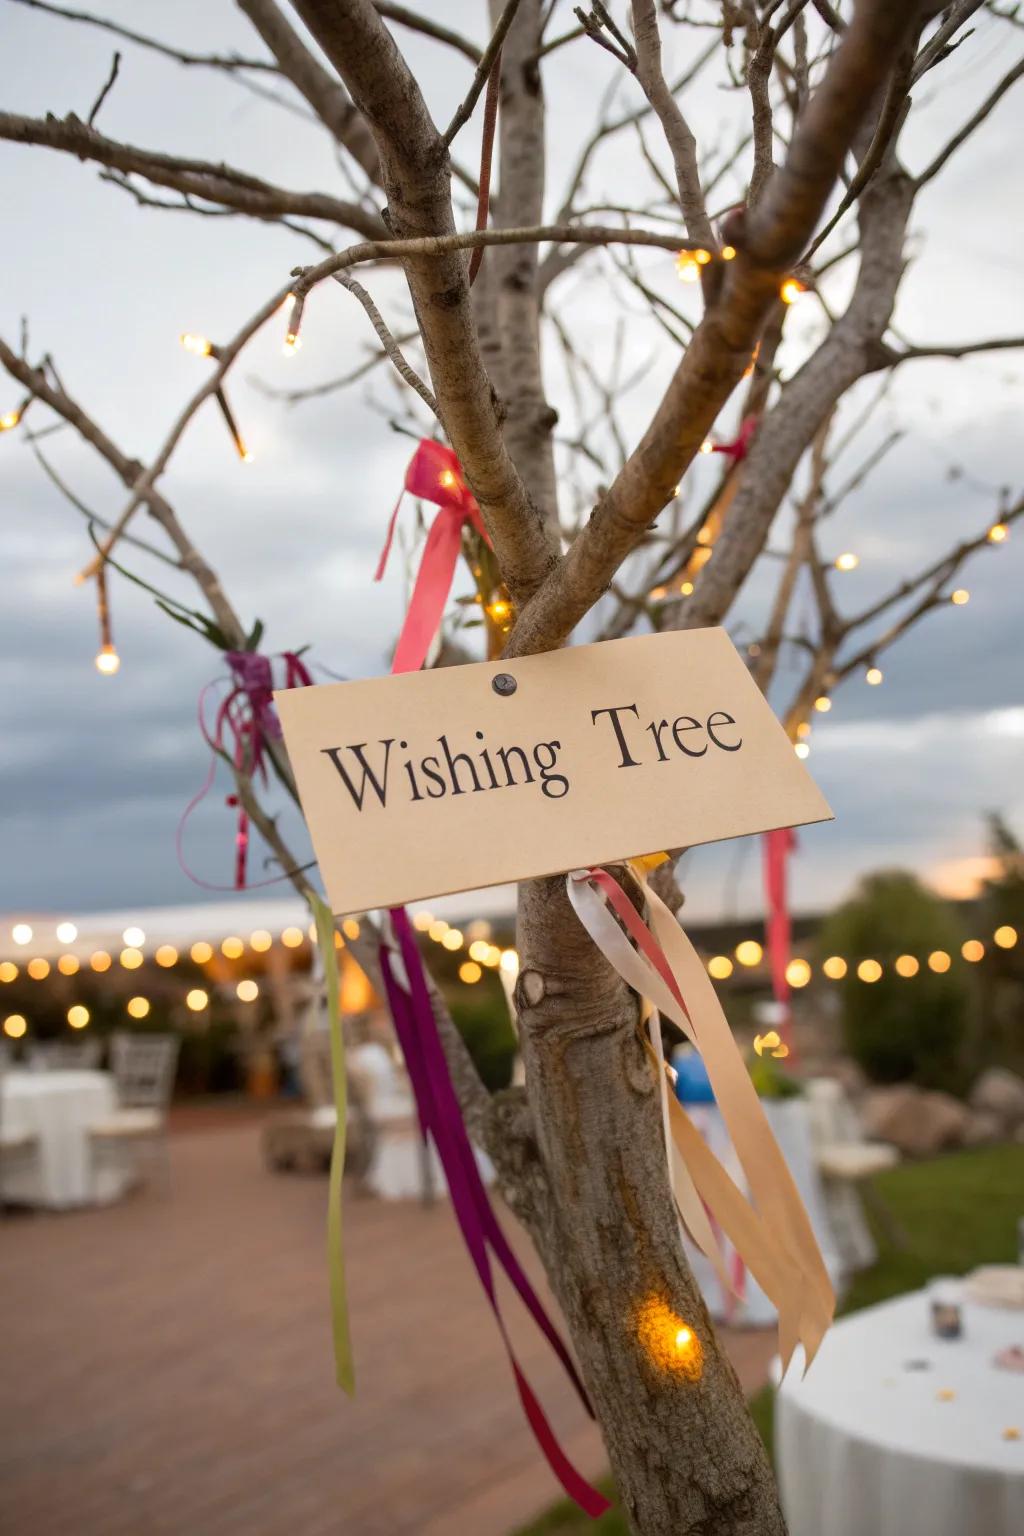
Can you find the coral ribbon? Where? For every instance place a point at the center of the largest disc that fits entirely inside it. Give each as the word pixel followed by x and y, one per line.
pixel 771 1230
pixel 434 474
pixel 441 1118
pixel 777 847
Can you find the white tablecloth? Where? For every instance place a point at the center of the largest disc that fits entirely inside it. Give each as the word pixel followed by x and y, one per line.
pixel 791 1125
pixel 57 1108
pixel 866 1446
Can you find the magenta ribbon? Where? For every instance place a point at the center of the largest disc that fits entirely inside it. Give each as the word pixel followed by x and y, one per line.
pixel 740 445
pixel 440 1117
pixel 245 721
pixel 434 474
pixel 778 846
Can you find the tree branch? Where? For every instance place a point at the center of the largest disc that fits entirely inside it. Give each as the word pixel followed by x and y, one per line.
pixel 1009 79
pixel 678 135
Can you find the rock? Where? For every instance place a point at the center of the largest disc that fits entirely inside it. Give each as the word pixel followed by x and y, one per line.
pixel 916 1120
pixel 983 1128
pixel 1000 1093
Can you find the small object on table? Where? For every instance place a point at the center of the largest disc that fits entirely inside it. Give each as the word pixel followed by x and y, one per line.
pixel 1009 1359
pixel 944 1299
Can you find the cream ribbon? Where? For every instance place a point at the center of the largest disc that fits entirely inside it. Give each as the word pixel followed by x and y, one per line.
pixel 770 1230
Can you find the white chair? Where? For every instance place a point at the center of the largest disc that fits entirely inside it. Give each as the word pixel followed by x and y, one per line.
pixel 19 1149
pixel 65 1056
pixel 144 1068
pixel 848 1162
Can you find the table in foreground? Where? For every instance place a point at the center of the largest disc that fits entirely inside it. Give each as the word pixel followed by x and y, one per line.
pixel 897 1433
pixel 57 1109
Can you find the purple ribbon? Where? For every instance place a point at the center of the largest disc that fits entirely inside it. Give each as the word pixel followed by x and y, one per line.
pixel 441 1118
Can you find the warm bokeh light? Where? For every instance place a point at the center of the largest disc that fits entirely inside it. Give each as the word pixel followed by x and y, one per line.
pixel 67 933
pixel 134 938
pixel 798 973
pixel 668 1340
pixel 15 1026
pixel 447 480
pixel 422 920
pixel 509 962
pixel 350 928
pixel 802 749
pixel 873 676
pixel 1005 937
pixel 452 939
pixel 493 956
pixel 479 950
pixel 437 929
pixel 291 938
pixel 201 952
pixel 823 704
pixel 100 960
pixel 835 967
pixel 973 950
pixel 907 965
pixel 727 252
pixel 196 1000
pixel 197 345
pixel 720 966
pixel 69 965
pixel 261 940
pixel 707 446
pixel 469 971
pixel 960 596
pixel 803 730
pixel 869 970
pixel 78 1016
pixel 247 991
pixel 686 267
pixel 138 1007
pixel 9 420
pixel 749 952
pixel 8 971
pixel 21 933
pixel 38 968
pixel 232 948
pixel 847 561
pixel 166 955
pixel 791 290
pixel 107 660
pixel 998 533
pixel 131 959
pixel 939 961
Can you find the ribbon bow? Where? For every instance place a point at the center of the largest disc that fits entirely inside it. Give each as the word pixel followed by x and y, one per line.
pixel 245 722
pixel 434 474
pixel 739 447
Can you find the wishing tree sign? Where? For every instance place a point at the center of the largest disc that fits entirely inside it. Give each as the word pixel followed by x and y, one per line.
pixel 559 514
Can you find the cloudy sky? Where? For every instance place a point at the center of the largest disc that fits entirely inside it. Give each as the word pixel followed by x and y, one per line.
pixel 97 771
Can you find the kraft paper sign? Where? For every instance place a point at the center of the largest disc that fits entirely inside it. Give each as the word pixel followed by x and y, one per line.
pixel 425 783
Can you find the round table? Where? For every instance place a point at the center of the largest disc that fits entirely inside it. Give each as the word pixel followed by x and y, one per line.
pixel 894 1432
pixel 56 1109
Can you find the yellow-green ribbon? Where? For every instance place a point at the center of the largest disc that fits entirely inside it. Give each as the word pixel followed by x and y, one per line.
pixel 343 1367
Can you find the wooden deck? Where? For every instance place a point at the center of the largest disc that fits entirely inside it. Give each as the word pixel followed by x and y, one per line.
pixel 166 1368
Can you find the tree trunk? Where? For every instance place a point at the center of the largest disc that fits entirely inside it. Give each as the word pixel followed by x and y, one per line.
pixel 684 1451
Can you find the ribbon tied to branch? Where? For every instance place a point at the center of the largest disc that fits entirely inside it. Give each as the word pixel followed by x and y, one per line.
pixel 434 474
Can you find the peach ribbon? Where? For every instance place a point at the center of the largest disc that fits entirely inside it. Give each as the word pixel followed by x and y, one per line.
pixel 770 1229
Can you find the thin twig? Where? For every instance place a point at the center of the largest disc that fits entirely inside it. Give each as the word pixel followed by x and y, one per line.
pixel 388 342
pixel 483 70
pixel 105 92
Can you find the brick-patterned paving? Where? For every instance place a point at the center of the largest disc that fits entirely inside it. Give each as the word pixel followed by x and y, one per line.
pixel 166 1368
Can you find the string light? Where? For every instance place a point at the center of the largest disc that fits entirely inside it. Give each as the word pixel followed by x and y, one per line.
pixel 100 961
pixel 973 950
pixel 998 533
pixel 960 597
pixel 798 973
pixel 802 750
pixel 21 933
pixel 196 1000
pixel 686 588
pixel 107 659
pixel 869 970
pixel 261 941
pixel 131 958
pixel 803 729
pixel 448 480
pixel 9 420
pixel 437 930
pixel 728 252
pixel 791 290
pixel 15 1026
pixel 292 340
pixel 873 676
pixel 907 965
pixel 939 961
pixel 509 962
pixel 350 928
pixel 291 938
pixel 500 610
pixel 166 956
pixel 8 971
pixel 422 921
pixel 232 948
pixel 199 346
pixel 847 561
pixel 687 268
pixel 835 967
pixel 68 965
pixel 134 936
pixel 771 1043
pixel 201 952
pixel 707 446
pixel 720 967
pixel 469 972
pixel 78 1016
pixel 1005 937
pixel 67 933
pixel 668 1339
pixel 749 952
pixel 138 1007
pixel 247 991
pixel 823 705
pixel 38 969
pixel 452 939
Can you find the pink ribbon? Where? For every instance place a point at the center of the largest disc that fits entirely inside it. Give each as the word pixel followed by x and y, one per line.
pixel 740 445
pixel 245 721
pixel 434 474
pixel 777 846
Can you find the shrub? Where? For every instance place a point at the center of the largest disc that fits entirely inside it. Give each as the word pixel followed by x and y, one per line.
pixel 898 1028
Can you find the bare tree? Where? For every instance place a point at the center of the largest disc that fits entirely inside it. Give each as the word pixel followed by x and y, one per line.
pixel 584 515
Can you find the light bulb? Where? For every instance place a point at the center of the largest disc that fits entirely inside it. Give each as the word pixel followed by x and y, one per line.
pixel 728 252
pixel 802 749
pixel 847 561
pixel 791 290
pixel 197 345
pixel 107 661
pixel 998 533
pixel 960 596
pixel 8 420
pixel 291 345
pixel 707 446
pixel 874 676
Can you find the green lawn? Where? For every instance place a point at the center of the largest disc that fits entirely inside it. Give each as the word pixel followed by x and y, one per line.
pixel 957 1212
